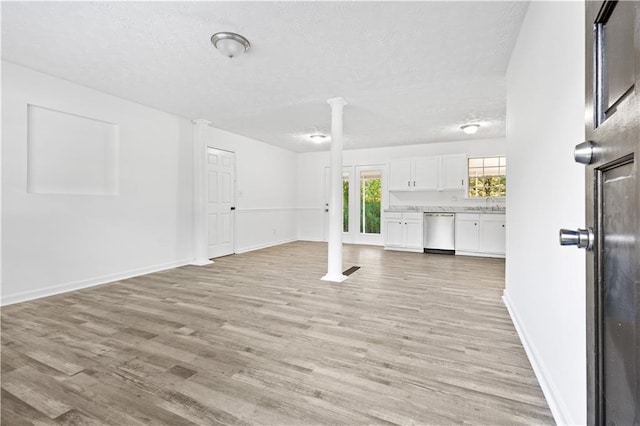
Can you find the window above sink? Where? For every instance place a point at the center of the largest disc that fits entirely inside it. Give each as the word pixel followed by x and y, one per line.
pixel 487 177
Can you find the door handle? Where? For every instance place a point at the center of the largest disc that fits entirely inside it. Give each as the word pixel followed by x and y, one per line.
pixel 583 152
pixel 233 208
pixel 581 238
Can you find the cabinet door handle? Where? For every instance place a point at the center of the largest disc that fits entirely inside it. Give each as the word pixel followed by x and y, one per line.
pixel 462 182
pixel 409 183
pixel 475 224
pixel 503 226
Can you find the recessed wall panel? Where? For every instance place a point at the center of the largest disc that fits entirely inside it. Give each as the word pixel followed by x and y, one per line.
pixel 70 154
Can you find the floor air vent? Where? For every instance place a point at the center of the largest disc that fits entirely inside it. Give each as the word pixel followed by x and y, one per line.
pixel 351 270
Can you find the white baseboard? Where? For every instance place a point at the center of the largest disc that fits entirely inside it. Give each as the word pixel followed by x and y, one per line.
pixel 558 408
pixel 476 254
pixel 411 250
pixel 265 245
pixel 78 285
pixel 312 240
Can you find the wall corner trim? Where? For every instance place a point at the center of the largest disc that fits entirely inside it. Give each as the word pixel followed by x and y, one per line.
pixel 559 410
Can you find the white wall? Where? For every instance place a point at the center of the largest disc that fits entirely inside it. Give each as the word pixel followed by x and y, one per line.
pixel 265 190
pixel 310 178
pixel 545 283
pixel 57 242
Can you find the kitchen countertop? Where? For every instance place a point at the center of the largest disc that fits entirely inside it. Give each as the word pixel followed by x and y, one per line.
pixel 448 209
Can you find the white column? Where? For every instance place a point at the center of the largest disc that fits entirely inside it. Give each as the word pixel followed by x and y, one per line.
pixel 200 231
pixel 334 258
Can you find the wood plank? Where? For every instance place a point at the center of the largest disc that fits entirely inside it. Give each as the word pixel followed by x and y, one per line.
pixel 259 339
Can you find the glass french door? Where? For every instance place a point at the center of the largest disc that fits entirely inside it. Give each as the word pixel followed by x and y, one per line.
pixel 347 189
pixel 362 204
pixel 363 200
pixel 368 181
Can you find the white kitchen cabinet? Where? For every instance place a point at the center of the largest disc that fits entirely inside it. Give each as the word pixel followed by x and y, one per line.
pixel 467 232
pixel 493 234
pixel 436 173
pixel 426 174
pixel 480 234
pixel 401 175
pixel 393 232
pixel 414 234
pixel 403 231
pixel 453 172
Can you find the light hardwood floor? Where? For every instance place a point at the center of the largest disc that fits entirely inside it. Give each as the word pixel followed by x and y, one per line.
pixel 257 338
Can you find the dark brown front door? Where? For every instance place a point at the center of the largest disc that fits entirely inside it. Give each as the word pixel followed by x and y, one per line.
pixel 613 211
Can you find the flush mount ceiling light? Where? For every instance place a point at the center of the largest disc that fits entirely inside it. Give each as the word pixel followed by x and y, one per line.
pixel 470 128
pixel 318 137
pixel 230 44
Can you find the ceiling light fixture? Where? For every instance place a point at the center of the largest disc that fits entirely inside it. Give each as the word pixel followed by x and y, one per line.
pixel 470 128
pixel 230 44
pixel 318 137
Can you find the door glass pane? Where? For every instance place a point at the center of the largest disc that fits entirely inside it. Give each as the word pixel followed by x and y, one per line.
pixel 370 201
pixel 345 202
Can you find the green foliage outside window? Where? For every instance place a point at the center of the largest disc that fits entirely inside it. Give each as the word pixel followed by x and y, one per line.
pixel 488 177
pixel 372 189
pixel 488 186
pixel 345 205
pixel 371 196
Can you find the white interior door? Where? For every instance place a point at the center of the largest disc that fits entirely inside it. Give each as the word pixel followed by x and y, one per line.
pixel 220 202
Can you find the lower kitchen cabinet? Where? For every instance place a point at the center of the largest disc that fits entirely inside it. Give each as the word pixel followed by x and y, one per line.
pixel 467 234
pixel 480 234
pixel 403 231
pixel 493 234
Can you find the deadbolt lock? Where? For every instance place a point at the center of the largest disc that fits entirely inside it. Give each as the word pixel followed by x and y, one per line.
pixel 581 238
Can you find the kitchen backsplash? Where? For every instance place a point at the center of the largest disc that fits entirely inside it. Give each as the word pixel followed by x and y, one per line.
pixel 441 198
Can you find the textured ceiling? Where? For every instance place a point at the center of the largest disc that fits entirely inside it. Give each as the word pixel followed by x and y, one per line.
pixel 412 72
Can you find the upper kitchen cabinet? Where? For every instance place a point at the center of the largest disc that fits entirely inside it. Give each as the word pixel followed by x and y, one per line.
pixel 453 172
pixel 426 173
pixel 401 175
pixel 437 173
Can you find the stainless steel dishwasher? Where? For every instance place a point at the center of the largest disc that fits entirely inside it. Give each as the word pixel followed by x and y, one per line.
pixel 439 233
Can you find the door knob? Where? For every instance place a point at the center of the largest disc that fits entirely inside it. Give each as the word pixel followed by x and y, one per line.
pixel 582 238
pixel 583 152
